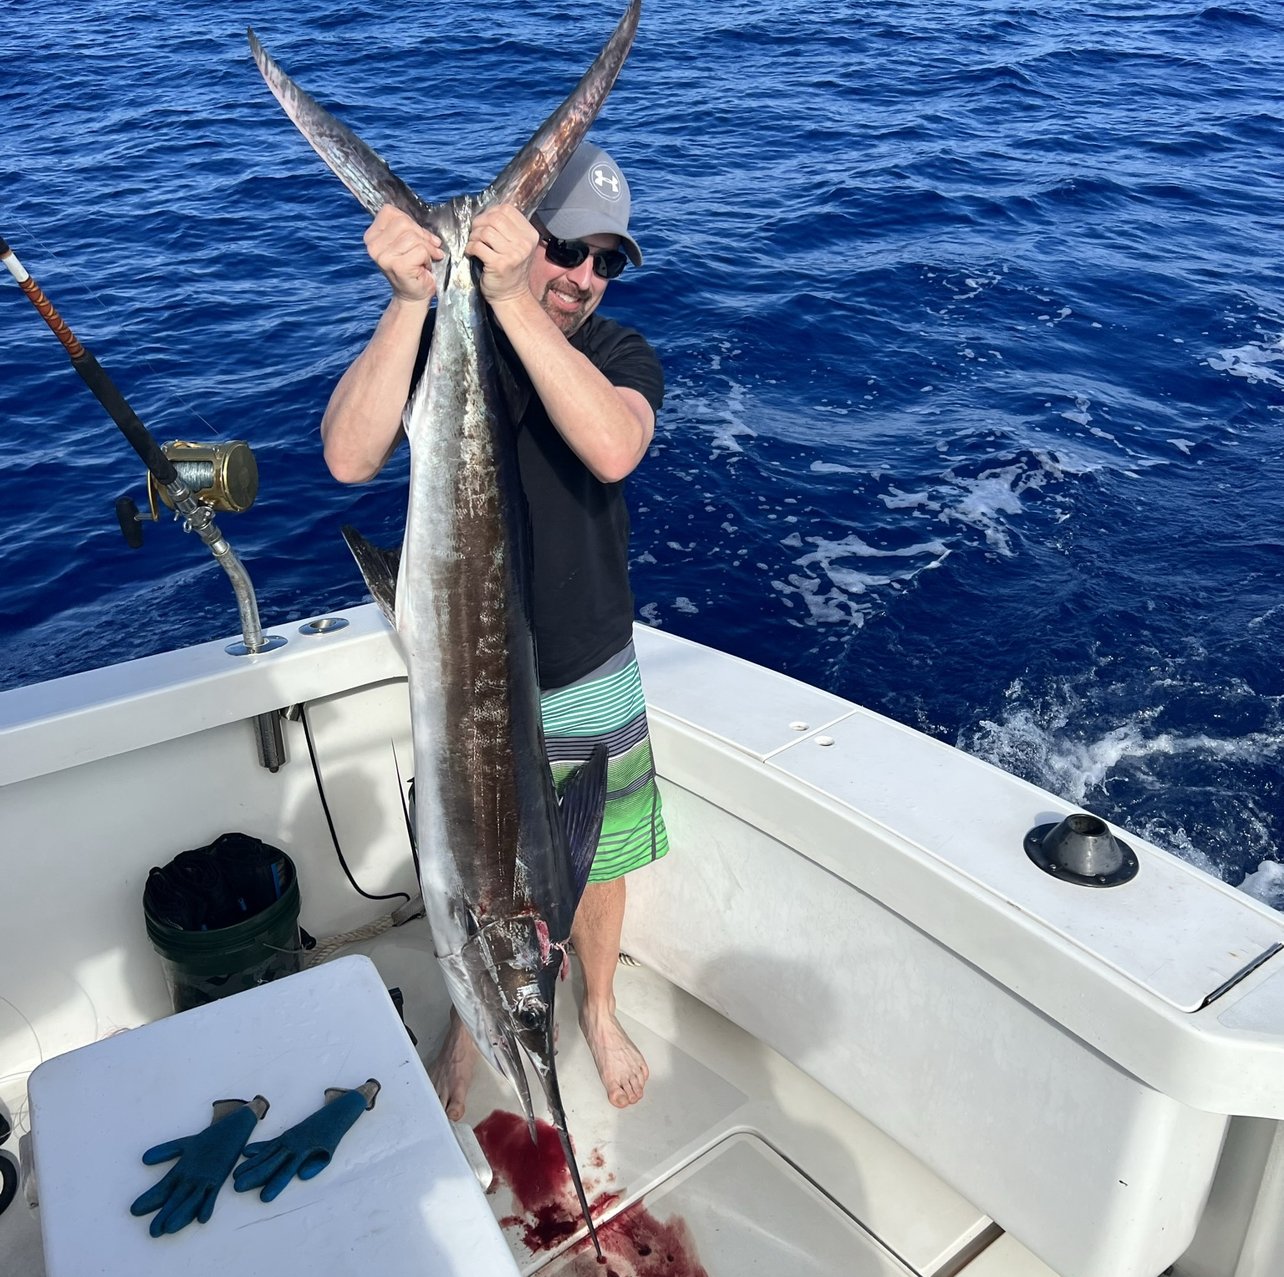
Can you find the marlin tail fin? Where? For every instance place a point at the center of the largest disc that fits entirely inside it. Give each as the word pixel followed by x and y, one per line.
pixel 529 174
pixel 524 180
pixel 363 171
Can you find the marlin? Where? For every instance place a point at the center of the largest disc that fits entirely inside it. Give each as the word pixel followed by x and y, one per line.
pixel 502 861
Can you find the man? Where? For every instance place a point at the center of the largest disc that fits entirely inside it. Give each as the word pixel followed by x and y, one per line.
pixel 593 388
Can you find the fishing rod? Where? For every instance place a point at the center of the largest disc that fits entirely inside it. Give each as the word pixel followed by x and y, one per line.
pixel 230 476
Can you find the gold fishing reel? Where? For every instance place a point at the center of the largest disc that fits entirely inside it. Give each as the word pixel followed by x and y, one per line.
pixel 222 476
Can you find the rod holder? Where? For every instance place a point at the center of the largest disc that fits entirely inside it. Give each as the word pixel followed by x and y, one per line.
pixel 1082 850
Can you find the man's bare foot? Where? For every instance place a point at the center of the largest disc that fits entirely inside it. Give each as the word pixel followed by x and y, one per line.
pixel 452 1069
pixel 619 1063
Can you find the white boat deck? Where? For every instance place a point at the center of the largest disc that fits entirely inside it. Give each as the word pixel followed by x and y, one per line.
pixel 718 1100
pixel 735 1163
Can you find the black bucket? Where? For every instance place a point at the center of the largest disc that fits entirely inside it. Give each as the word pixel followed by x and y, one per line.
pixel 223 918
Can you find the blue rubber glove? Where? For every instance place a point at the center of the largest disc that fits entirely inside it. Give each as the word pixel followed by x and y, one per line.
pixel 205 1159
pixel 304 1150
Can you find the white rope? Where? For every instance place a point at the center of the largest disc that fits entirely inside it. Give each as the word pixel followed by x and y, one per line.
pixel 326 949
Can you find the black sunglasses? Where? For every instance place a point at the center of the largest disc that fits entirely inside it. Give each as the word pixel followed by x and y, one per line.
pixel 608 263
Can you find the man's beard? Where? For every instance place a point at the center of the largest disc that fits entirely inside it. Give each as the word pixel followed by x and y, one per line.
pixel 568 321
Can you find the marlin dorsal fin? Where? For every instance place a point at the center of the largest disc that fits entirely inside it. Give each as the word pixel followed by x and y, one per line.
pixel 379 569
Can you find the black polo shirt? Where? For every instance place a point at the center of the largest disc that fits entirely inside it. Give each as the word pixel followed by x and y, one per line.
pixel 582 602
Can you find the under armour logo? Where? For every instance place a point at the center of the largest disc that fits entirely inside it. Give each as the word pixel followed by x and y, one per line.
pixel 606 181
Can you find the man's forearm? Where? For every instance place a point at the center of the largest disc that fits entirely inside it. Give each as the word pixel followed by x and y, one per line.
pixel 362 421
pixel 609 429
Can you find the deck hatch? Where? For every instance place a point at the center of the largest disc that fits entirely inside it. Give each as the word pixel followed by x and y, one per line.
pixel 738 1210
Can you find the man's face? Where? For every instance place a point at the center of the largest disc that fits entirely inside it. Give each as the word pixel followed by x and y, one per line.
pixel 569 295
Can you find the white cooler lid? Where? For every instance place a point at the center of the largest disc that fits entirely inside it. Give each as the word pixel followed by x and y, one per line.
pixel 398 1198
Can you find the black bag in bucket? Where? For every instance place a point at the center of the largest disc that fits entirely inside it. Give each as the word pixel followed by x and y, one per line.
pixel 223 918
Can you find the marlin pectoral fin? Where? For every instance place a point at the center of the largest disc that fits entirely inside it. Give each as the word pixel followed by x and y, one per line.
pixel 583 801
pixel 529 174
pixel 378 567
pixel 364 172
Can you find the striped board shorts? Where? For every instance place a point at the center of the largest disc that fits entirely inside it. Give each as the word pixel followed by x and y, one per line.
pixel 608 706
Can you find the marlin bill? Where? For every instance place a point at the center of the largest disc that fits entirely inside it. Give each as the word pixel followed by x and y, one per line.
pixel 502 862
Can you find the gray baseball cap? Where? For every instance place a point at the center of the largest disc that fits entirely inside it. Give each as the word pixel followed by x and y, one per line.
pixel 590 197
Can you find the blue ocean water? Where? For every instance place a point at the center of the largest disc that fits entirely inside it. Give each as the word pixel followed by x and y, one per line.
pixel 972 314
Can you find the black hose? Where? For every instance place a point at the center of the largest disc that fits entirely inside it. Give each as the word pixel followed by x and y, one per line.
pixel 329 820
pixel 8 1181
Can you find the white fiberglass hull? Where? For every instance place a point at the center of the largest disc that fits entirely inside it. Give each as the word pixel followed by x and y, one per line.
pixel 858 996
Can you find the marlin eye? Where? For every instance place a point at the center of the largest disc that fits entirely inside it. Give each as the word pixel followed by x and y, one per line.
pixel 530 1015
